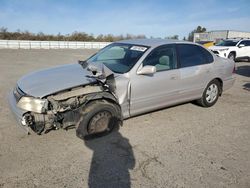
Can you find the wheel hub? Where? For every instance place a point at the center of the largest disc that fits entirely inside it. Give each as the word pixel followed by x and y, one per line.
pixel 99 122
pixel 212 93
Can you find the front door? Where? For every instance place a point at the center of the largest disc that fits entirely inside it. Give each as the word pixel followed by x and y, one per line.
pixel 149 92
pixel 244 51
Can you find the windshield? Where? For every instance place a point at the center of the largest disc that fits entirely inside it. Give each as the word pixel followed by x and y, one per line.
pixel 227 43
pixel 119 58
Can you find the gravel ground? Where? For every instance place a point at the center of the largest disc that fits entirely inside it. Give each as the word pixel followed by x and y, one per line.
pixel 181 146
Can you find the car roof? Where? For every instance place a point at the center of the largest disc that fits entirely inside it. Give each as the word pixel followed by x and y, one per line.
pixel 233 39
pixel 237 39
pixel 152 42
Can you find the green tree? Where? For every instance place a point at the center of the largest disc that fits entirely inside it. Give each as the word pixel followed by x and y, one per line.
pixel 176 37
pixel 199 29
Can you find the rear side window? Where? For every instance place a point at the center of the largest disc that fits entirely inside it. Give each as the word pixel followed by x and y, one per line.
pixel 245 42
pixel 208 56
pixel 193 55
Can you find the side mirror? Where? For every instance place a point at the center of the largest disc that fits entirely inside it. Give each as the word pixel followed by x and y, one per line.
pixel 147 70
pixel 241 45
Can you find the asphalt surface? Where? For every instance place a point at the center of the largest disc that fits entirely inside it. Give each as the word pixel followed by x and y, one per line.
pixel 181 146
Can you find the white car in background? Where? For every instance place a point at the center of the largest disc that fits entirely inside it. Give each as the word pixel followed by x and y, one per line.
pixel 233 49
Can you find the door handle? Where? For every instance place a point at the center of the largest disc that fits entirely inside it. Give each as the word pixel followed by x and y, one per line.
pixel 173 77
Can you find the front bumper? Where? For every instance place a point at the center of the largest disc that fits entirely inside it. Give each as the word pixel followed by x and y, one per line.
pixel 17 112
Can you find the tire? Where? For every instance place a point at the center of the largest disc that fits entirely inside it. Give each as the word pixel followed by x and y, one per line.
pixel 210 94
pixel 231 56
pixel 98 117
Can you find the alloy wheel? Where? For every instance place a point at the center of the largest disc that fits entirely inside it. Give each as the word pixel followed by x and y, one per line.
pixel 212 93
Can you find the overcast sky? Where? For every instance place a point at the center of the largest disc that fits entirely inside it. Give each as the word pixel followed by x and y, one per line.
pixel 157 18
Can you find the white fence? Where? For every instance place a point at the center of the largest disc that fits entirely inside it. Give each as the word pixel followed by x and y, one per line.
pixel 27 44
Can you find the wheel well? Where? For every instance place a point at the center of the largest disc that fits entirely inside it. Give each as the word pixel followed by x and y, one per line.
pixel 102 95
pixel 221 84
pixel 109 99
pixel 233 52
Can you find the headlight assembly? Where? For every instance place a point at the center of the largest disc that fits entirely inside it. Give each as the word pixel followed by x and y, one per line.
pixel 32 104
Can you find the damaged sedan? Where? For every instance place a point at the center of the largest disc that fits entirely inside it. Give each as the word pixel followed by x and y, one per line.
pixel 124 79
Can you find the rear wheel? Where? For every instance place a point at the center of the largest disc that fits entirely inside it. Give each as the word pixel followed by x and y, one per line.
pixel 210 94
pixel 98 118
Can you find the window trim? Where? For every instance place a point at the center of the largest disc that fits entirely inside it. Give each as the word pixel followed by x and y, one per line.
pixel 161 46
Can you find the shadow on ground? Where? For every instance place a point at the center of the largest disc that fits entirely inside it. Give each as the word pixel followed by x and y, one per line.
pixel 112 158
pixel 243 70
pixel 246 86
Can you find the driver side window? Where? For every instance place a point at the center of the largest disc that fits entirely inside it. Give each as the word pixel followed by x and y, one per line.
pixel 163 58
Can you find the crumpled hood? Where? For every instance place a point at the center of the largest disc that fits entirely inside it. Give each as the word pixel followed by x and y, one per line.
pixel 49 81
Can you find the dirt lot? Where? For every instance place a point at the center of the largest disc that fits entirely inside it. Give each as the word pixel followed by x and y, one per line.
pixel 181 146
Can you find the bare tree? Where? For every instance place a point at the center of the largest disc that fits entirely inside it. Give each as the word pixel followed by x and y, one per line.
pixel 75 36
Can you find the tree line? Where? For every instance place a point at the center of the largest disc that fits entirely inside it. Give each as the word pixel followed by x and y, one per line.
pixel 190 37
pixel 81 36
pixel 75 36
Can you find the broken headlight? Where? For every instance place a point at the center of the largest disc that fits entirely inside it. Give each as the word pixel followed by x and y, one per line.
pixel 32 104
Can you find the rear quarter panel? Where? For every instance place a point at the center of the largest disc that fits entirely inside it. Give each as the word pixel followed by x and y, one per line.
pixel 223 69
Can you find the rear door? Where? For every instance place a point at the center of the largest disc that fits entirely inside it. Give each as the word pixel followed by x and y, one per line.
pixel 195 65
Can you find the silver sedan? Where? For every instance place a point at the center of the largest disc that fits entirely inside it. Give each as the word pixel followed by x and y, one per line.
pixel 124 79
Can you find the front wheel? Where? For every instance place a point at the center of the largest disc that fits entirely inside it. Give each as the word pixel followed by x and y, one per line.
pixel 231 56
pixel 210 94
pixel 98 118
